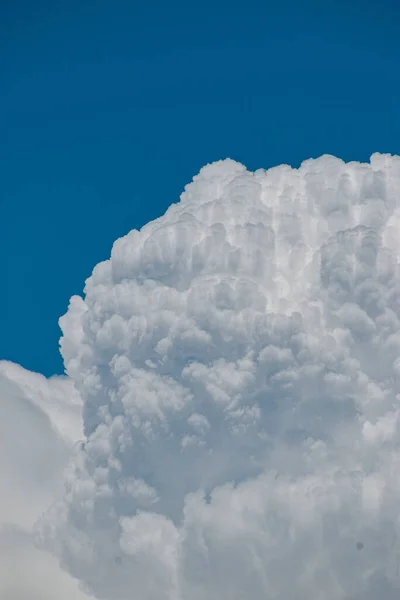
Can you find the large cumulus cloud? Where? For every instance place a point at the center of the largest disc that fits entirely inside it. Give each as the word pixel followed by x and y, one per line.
pixel 40 420
pixel 239 364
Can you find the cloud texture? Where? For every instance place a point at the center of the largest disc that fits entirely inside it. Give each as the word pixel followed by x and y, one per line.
pixel 40 420
pixel 239 364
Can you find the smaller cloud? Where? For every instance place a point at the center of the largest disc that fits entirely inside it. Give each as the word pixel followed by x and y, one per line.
pixel 40 420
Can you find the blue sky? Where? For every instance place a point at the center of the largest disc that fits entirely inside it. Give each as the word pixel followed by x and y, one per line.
pixel 109 108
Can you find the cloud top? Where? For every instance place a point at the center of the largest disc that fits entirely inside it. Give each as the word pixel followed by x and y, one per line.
pixel 239 364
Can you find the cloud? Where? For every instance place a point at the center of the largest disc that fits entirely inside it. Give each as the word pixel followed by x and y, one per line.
pixel 239 364
pixel 40 420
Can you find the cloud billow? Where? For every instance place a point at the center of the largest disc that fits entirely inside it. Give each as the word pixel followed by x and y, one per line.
pixel 239 365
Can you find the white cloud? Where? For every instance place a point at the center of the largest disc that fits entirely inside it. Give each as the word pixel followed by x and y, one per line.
pixel 238 360
pixel 40 420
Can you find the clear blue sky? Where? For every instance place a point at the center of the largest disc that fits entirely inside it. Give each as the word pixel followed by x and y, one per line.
pixel 109 107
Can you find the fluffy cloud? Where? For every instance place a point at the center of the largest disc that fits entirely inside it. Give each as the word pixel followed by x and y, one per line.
pixel 40 420
pixel 239 364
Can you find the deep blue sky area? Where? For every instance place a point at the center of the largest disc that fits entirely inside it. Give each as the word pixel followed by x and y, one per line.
pixel 109 107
